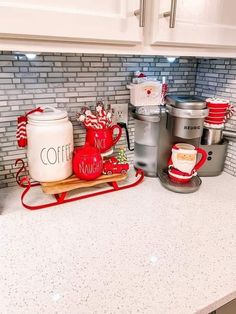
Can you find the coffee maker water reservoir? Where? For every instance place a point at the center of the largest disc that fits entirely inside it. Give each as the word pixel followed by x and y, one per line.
pixel 146 142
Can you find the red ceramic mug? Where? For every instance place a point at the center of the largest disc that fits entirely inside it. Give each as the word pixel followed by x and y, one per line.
pixel 219 110
pixel 217 114
pixel 103 139
pixel 215 120
pixel 87 162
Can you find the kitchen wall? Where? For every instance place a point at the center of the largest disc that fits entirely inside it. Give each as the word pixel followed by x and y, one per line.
pixel 71 81
pixel 217 77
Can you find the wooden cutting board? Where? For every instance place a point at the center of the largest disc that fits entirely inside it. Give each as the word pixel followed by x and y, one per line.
pixel 73 183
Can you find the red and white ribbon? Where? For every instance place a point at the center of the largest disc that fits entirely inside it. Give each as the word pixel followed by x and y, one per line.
pixel 21 131
pixel 21 135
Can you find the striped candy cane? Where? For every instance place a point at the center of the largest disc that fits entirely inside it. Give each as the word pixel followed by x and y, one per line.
pixel 109 118
pixel 102 122
pixel 88 124
pixel 230 112
pixel 89 114
pixel 101 111
pixel 80 117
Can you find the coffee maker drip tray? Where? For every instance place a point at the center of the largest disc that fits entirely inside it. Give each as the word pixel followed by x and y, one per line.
pixel 190 187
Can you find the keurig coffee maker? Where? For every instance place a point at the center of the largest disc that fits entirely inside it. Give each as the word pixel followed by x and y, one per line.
pixel 181 120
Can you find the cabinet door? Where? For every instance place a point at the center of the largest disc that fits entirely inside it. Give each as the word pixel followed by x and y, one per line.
pixel 197 22
pixel 111 21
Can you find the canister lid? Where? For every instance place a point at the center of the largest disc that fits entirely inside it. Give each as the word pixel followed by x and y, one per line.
pixel 49 114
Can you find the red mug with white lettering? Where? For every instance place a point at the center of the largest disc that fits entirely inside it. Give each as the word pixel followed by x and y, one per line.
pixel 103 139
pixel 87 162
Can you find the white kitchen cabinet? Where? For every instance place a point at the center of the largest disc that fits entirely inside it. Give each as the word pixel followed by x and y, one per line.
pixel 203 27
pixel 210 23
pixel 106 21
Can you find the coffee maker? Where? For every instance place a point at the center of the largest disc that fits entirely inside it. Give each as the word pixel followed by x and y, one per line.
pixel 182 121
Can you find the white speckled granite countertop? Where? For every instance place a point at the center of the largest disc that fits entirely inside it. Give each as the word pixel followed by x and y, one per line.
pixel 144 250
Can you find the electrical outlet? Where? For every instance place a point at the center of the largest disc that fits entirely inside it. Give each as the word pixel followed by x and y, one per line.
pixel 120 113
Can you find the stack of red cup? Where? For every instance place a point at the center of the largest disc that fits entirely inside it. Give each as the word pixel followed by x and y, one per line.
pixel 219 111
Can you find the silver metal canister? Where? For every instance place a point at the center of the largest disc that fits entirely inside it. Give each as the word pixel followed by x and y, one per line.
pixel 211 136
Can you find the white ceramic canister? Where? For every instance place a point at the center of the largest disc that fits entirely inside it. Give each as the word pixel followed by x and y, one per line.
pixel 50 145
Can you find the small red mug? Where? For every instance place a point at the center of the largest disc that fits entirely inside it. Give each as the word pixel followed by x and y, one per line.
pixel 103 139
pixel 87 162
pixel 219 110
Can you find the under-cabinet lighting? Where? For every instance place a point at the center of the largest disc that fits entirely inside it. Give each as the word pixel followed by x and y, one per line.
pixel 30 56
pixel 171 59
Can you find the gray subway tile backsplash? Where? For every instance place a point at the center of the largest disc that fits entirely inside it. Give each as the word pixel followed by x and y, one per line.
pixel 71 81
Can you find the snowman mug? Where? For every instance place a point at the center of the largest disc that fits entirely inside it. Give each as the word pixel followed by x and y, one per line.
pixel 183 162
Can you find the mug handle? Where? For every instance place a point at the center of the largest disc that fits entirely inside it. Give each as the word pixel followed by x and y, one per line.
pixel 229 112
pixel 116 139
pixel 202 160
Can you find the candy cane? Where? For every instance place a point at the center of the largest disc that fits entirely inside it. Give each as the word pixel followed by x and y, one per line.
pixel 88 124
pixel 80 117
pixel 83 109
pixel 96 126
pixel 101 111
pixel 89 114
pixel 230 112
pixel 93 121
pixel 102 123
pixel 92 118
pixel 109 118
